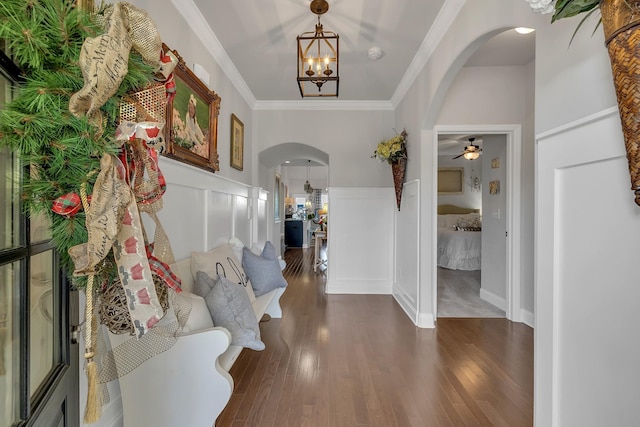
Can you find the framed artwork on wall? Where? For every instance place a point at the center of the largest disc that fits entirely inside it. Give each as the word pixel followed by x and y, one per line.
pixel 191 131
pixel 450 180
pixel 494 187
pixel 237 142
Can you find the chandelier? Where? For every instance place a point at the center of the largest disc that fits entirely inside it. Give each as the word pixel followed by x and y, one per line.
pixel 318 58
pixel 307 186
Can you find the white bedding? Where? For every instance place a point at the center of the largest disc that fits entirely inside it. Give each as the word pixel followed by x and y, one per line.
pixel 458 250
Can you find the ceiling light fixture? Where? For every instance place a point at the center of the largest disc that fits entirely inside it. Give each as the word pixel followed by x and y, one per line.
pixel 524 30
pixel 471 155
pixel 318 58
pixel 307 186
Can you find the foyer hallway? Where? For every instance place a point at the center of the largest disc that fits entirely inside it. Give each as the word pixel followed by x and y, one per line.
pixel 358 360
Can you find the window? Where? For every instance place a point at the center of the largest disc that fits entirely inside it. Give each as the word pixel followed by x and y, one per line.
pixel 33 330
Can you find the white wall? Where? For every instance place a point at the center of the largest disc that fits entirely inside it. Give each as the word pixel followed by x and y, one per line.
pixel 348 137
pixel 420 106
pixel 180 34
pixel 493 285
pixel 360 240
pixel 407 252
pixel 586 349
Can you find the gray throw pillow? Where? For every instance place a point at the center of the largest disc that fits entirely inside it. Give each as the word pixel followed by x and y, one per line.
pixel 269 251
pixel 264 272
pixel 230 308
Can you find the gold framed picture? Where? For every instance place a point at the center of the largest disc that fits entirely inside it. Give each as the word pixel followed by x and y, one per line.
pixel 450 180
pixel 237 142
pixel 494 187
pixel 191 130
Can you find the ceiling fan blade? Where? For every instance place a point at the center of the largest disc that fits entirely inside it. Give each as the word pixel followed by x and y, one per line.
pixel 459 155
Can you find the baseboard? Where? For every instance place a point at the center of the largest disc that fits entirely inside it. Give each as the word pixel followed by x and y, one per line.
pixel 379 287
pixel 426 320
pixel 407 304
pixel 493 299
pixel 528 318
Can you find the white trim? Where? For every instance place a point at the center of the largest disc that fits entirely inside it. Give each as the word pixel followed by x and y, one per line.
pixel 332 105
pixel 411 307
pixel 441 25
pixel 407 305
pixel 528 318
pixel 199 26
pixel 592 118
pixel 547 339
pixel 192 15
pixel 426 321
pixel 513 134
pixel 493 299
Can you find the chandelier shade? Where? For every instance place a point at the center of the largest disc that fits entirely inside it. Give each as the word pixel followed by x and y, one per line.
pixel 318 58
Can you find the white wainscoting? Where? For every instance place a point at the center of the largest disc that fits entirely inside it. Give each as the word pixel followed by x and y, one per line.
pixel 201 211
pixel 407 250
pixel 360 240
pixel 587 293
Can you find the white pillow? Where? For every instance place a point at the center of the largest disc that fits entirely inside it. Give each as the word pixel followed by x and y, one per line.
pixel 222 261
pixel 452 220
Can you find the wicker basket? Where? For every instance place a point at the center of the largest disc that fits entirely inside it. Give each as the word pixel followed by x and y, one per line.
pixel 114 313
pixel 398 170
pixel 148 105
pixel 622 37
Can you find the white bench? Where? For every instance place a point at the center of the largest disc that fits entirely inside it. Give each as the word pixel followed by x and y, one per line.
pixel 189 384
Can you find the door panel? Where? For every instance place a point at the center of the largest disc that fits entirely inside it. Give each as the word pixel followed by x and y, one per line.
pixel 38 364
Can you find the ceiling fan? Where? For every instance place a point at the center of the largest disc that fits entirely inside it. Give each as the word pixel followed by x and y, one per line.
pixel 471 151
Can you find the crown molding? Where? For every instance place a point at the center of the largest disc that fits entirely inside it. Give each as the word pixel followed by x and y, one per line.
pixel 323 105
pixel 443 21
pixel 198 24
pixel 441 24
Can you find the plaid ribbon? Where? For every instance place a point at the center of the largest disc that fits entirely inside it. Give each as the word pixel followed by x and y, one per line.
pixel 170 87
pixel 67 205
pixel 163 271
pixel 142 159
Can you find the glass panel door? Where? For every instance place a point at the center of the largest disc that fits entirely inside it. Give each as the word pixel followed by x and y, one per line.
pixel 38 364
pixel 9 367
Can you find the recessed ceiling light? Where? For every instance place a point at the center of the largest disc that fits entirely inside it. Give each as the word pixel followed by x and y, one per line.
pixel 287 161
pixel 524 30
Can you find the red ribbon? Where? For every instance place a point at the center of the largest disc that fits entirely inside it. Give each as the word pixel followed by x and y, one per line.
pixel 163 271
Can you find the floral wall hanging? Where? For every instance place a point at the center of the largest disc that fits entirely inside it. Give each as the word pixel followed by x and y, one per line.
pixel 394 152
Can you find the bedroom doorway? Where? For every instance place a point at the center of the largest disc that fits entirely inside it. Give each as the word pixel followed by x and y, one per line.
pixel 471 222
pixel 506 296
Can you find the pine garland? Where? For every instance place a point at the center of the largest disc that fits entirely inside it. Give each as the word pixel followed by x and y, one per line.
pixel 44 38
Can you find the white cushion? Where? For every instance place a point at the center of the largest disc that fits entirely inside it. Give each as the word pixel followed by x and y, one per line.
pixel 222 261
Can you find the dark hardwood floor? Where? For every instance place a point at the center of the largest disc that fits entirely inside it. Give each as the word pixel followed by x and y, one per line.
pixel 358 360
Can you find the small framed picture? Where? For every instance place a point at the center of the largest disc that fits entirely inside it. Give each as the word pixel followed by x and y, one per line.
pixel 237 142
pixel 495 163
pixel 494 187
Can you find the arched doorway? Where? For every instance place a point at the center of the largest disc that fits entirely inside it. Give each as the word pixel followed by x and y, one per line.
pixel 297 178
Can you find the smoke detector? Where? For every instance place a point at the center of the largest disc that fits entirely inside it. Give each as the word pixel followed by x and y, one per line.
pixel 375 53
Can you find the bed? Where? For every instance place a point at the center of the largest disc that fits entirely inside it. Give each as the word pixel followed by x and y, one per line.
pixel 459 238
